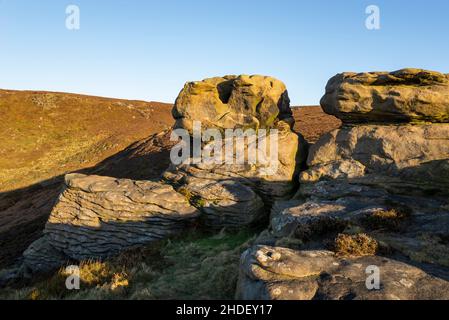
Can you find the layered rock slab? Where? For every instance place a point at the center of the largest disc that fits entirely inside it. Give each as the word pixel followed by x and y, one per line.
pixel 275 273
pixel 97 217
pixel 233 194
pixel 404 158
pixel 402 96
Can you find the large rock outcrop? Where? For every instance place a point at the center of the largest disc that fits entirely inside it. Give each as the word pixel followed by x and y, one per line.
pixel 232 102
pixel 400 96
pixel 373 194
pixel 97 217
pixel 233 193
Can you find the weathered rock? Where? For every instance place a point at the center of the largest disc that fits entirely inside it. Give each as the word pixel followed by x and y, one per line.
pixel 97 217
pixel 400 96
pixel 232 194
pixel 224 200
pixel 314 218
pixel 229 188
pixel 406 158
pixel 278 273
pixel 41 256
pixel 232 102
pixel 414 227
pixel 374 194
pixel 387 181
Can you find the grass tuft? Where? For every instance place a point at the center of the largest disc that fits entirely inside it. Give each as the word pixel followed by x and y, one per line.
pixel 197 266
pixel 355 245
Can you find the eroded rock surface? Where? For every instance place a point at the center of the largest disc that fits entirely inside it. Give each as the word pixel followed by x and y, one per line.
pixel 232 102
pixel 414 227
pixel 232 194
pixel 231 189
pixel 97 217
pixel 276 273
pixel 405 158
pixel 401 96
pixel 375 193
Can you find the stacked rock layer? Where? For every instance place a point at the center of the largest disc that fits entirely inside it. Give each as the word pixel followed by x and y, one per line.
pixel 237 193
pixel 375 188
pixel 98 217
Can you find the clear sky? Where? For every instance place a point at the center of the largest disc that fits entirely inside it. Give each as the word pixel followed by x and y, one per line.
pixel 147 49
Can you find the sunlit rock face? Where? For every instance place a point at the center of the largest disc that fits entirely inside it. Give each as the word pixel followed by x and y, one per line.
pixel 403 158
pixel 401 96
pixel 275 273
pixel 375 192
pixel 232 102
pixel 240 192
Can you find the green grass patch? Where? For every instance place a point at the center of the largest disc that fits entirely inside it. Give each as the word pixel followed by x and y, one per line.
pixel 196 266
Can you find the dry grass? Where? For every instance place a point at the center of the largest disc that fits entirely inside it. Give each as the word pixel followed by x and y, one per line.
pixel 108 277
pixel 391 220
pixel 44 134
pixel 196 267
pixel 355 245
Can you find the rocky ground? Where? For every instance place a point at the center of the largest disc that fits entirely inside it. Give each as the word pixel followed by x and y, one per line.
pixel 27 194
pixel 366 190
pixel 375 194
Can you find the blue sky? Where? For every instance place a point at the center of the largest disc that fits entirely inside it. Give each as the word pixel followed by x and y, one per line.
pixel 147 50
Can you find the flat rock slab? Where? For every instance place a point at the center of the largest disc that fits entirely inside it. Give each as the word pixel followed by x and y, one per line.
pixel 401 96
pixel 275 273
pixel 97 217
